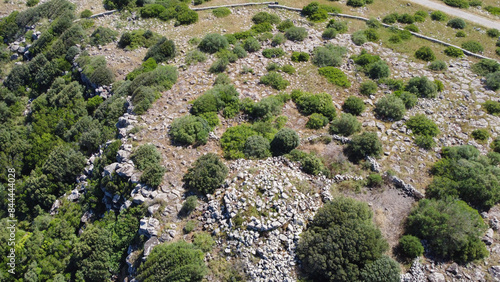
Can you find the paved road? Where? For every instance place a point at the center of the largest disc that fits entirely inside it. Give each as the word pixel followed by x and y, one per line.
pixel 489 23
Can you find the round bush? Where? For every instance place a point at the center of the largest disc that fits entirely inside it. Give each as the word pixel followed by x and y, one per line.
pixel 364 144
pixel 284 25
pixel 317 121
pixel 390 19
pixel 251 45
pixel 207 174
pixel 406 19
pixel 412 28
pixel 493 80
pixel 275 80
pixel 189 205
pixel 390 107
pixel 296 33
pixel 374 180
pixel 425 53
pixel 480 134
pixel 493 32
pixel 278 39
pixel 473 46
pixel 356 3
pixel 422 87
pixel 438 16
pixel 264 17
pixel 453 52
pixel 85 14
pixel 373 23
pixel 346 125
pixel 425 142
pixel 221 12
pixel 409 99
pixel 371 34
pixel 190 130
pixel 438 66
pixel 257 147
pixel 340 27
pixel 284 141
pixel 329 33
pixel 368 88
pixel 213 43
pixel 378 70
pixel 410 246
pixel 460 33
pixel 421 125
pixel 300 57
pixel 289 69
pixel 456 23
pixel 162 51
pixel 353 105
pixel 359 38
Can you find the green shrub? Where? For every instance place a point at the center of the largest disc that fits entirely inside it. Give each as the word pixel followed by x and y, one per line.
pixel 340 27
pixel 145 155
pixel 239 51
pixel 162 51
pixel 438 66
pixel 359 37
pixel 289 69
pixel 212 43
pixel 356 3
pixel 189 205
pixel 453 52
pixel 203 241
pixel 493 80
pixel 425 53
pixel 315 12
pixel 278 39
pixel 261 28
pixel 374 180
pixel 185 16
pixel 189 227
pixel 406 18
pixel 207 174
pixel 335 76
pixel 284 141
pixel 275 80
pixel 346 224
pixel 273 67
pixel 222 79
pixel 421 125
pixel 480 134
pixel 219 66
pixel 257 147
pixel 422 14
pixel 296 33
pixel 273 52
pixel 438 16
pixel 391 107
pixel 475 3
pixel 221 12
pixel 152 10
pixel 373 23
pixel 456 23
pixel 137 38
pixel 422 87
pixel 452 229
pixel 233 140
pixel 473 46
pixel 308 103
pixel 300 57
pixel 263 17
pixel 194 57
pixel 464 4
pixel 86 14
pixel 460 33
pixel 251 45
pixel 329 33
pixel 284 25
pixel 190 130
pixel 329 55
pixel 364 144
pixel 353 105
pixel 317 121
pixel 175 258
pixel 485 66
pixel 266 108
pixel 410 246
pixel 395 39
pixel 412 28
pixel 425 142
pixel 32 3
pixel 102 36
pixel 346 125
pixel 409 99
pixel 378 70
pixel 371 34
pixel 368 88
pixel 492 107
pixel 153 175
pixel 391 18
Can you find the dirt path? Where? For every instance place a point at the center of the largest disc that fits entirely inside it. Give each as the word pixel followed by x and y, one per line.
pixel 489 23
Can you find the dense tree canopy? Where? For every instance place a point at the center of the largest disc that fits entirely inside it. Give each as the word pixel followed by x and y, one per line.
pixel 207 174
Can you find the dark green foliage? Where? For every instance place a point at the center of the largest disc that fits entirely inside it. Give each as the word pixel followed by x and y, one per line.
pixel 162 51
pixel 475 3
pixel 359 37
pixel 391 107
pixel 31 3
pixel 239 51
pixel 300 57
pixel 222 79
pixel 278 39
pixel 492 107
pixel 329 55
pixel 365 144
pixel 425 53
pixel 425 142
pixel 221 12
pixel 203 241
pixel 368 88
pixel 219 66
pixel 315 12
pixel 493 10
pixel 410 246
pixel 452 229
pixel 189 205
pixel 261 28
pixel 461 33
pixel 346 125
pixel 190 130
pixel 390 19
pixel 275 80
pixel 145 155
pixel 343 229
pixel 284 25
pixel 353 105
pixel 263 17
pixel 406 18
pixel 335 76
pixel 373 23
pixel 485 66
pixel 233 140
pixel 382 270
pixel 378 70
pixel 102 36
pixel 257 147
pixel 266 108
pixel 288 69
pixel 309 103
pixel 493 80
pixel 273 52
pixel 212 43
pixel 310 163
pixel 473 46
pixel 371 34
pixel 339 27
pixel 421 125
pixel 207 174
pixel 422 87
pixel 228 55
pixel 456 23
pixel 137 38
pixel 480 134
pixel 93 253
pixel 85 14
pixel 63 164
pixel 176 262
pixel 96 70
pixel 438 16
pixel 374 180
pixel 152 10
pixel 409 99
pixel 438 66
pixel 296 33
pixel 464 4
pixel 453 52
pixel 329 33
pixel 251 45
pixel 317 121
pixel 284 141
pixel 356 3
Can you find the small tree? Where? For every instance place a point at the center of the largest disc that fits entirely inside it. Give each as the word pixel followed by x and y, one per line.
pixel 391 107
pixel 365 144
pixel 257 147
pixel 275 80
pixel 378 70
pixel 207 174
pixel 410 246
pixel 353 105
pixel 284 141
pixel 190 130
pixel 213 43
pixel 346 125
pixel 359 38
pixel 162 51
pixel 422 87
